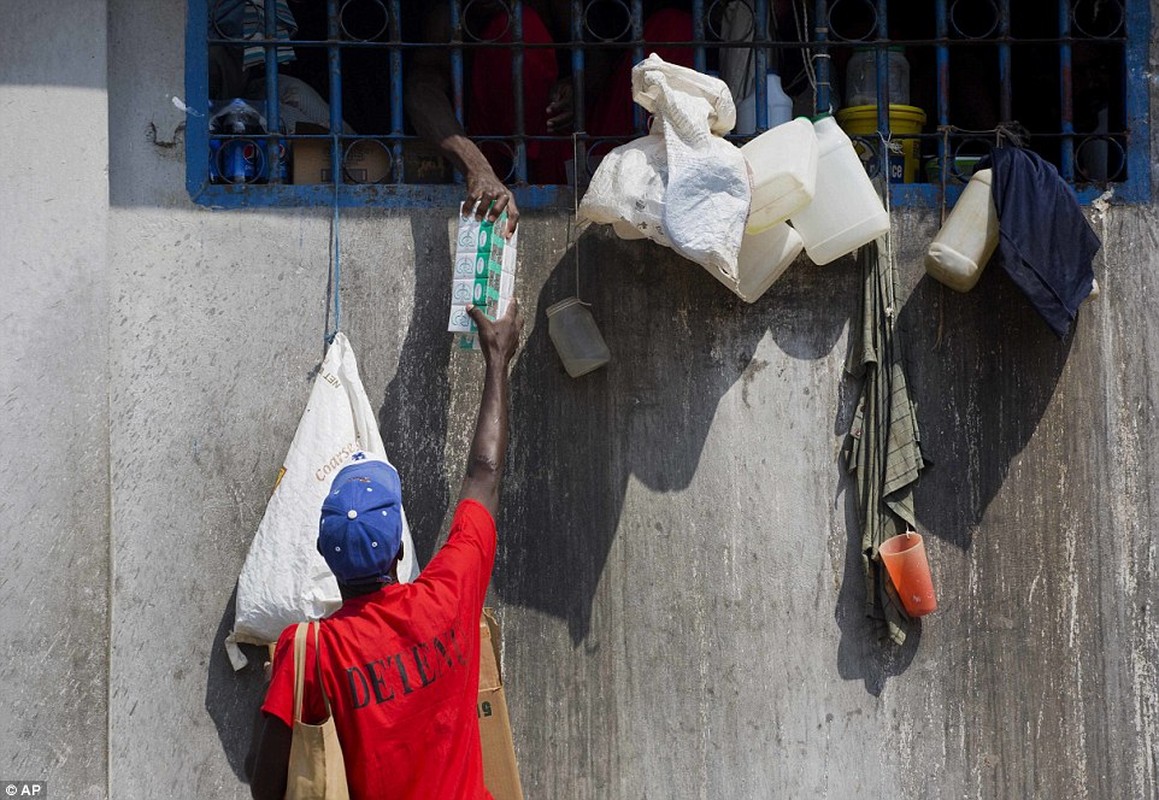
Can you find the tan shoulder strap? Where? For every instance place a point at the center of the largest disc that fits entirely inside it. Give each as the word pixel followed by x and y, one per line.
pixel 299 669
pixel 318 665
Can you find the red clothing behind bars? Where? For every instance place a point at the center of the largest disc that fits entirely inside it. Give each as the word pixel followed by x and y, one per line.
pixel 491 110
pixel 401 669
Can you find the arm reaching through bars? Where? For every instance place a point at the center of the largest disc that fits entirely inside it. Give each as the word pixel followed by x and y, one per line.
pixel 428 103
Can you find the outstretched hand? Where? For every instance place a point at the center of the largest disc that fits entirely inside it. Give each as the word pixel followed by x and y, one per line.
pixel 499 339
pixel 488 198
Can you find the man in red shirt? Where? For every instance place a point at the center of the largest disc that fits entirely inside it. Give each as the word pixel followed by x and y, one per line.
pixel 400 662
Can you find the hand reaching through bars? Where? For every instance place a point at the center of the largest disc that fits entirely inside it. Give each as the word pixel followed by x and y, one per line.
pixel 489 197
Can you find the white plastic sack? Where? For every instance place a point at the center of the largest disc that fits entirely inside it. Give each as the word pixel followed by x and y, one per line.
pixel 284 579
pixel 641 165
pixel 701 210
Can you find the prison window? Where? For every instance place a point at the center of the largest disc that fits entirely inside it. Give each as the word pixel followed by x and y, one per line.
pixel 309 102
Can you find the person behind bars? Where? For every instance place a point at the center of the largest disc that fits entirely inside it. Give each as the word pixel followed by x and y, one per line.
pixel 489 94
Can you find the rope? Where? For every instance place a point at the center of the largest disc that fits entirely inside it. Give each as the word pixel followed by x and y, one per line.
pixel 947 159
pixel 1013 132
pixel 802 27
pixel 575 203
pixel 888 146
pixel 335 268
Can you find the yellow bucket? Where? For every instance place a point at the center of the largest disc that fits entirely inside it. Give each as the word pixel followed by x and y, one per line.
pixel 903 121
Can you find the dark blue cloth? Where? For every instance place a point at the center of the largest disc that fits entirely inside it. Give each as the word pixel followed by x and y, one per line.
pixel 1045 242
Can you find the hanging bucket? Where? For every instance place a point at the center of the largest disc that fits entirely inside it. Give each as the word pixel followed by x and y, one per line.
pixel 903 121
pixel 905 560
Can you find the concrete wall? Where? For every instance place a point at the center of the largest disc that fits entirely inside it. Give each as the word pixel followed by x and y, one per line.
pixel 678 573
pixel 54 382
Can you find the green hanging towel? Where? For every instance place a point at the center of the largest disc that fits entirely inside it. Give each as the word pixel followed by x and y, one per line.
pixel 884 450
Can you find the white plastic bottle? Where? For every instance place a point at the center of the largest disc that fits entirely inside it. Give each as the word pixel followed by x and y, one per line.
pixel 763 258
pixel 846 211
pixel 778 105
pixel 783 167
pixel 966 241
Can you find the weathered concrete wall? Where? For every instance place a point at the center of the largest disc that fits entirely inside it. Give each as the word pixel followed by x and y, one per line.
pixel 54 423
pixel 678 573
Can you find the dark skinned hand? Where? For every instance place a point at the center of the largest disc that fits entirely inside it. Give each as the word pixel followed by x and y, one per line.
pixel 499 339
pixel 489 198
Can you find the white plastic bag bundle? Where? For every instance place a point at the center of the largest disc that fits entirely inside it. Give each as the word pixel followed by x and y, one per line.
pixel 641 167
pixel 284 579
pixel 701 209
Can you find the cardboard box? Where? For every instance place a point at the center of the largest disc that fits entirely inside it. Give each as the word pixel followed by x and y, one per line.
pixel 365 160
pixel 500 770
pixel 424 163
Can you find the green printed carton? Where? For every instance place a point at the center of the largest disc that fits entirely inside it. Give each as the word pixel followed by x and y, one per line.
pixel 483 273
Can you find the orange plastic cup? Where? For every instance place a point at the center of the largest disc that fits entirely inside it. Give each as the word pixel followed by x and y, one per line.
pixel 905 561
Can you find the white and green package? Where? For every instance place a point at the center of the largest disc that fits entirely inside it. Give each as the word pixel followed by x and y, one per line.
pixel 483 273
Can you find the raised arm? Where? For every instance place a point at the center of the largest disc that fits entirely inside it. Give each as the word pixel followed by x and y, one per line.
pixel 485 462
pixel 428 104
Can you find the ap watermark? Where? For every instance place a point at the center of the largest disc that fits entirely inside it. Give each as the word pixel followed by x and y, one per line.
pixel 24 789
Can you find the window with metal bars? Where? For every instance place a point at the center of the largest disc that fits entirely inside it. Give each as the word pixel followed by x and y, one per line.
pixel 399 99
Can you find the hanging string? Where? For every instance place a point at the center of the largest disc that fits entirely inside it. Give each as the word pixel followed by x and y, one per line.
pixel 888 148
pixel 947 159
pixel 802 26
pixel 573 239
pixel 335 268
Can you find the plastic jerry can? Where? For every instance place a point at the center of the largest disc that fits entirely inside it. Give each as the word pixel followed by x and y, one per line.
pixel 763 258
pixel 778 104
pixel 783 169
pixel 966 241
pixel 846 211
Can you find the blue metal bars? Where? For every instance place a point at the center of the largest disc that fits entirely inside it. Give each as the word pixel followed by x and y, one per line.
pixel 820 55
pixel 1066 93
pixel 333 53
pixel 334 68
pixel 396 92
pixel 275 154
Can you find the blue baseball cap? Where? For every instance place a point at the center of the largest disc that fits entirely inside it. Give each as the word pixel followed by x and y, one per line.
pixel 360 532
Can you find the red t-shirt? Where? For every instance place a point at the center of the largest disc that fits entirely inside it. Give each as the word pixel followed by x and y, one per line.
pixel 401 669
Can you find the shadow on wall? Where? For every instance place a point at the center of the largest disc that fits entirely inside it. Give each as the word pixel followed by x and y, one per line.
pixel 413 411
pixel 861 653
pixel 982 368
pixel 233 698
pixel 679 341
pixel 413 415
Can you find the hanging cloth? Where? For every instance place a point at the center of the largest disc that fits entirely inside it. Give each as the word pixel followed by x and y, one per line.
pixel 1046 243
pixel 736 63
pixel 883 450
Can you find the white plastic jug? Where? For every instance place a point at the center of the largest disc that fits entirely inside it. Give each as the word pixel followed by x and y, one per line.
pixel 966 241
pixel 846 211
pixel 783 168
pixel 778 104
pixel 763 258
